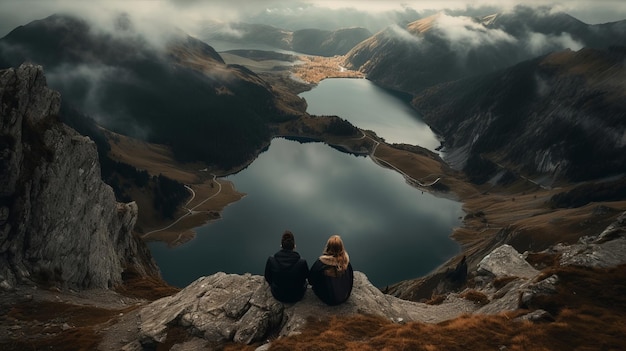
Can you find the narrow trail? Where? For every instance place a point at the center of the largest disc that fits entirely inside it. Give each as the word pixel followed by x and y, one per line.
pixel 384 163
pixel 190 211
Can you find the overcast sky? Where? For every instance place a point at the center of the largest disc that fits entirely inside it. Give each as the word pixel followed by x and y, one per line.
pixel 189 14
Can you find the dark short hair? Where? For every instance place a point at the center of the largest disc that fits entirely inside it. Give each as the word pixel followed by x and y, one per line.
pixel 288 242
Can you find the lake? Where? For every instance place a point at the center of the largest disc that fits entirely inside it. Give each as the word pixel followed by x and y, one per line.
pixel 391 230
pixel 371 107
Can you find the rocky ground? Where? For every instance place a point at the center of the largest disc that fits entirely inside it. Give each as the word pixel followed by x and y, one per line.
pixel 231 311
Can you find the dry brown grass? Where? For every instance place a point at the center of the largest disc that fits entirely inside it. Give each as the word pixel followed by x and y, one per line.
pixel 475 296
pixel 588 309
pixel 144 287
pixel 44 328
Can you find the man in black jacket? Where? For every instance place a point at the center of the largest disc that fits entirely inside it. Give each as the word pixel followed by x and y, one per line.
pixel 286 272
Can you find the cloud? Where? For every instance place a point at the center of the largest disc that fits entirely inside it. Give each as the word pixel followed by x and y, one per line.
pixel 404 34
pixel 539 43
pixel 153 15
pixel 85 83
pixel 464 33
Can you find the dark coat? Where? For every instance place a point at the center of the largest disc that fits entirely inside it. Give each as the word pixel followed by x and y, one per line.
pixel 286 274
pixel 330 289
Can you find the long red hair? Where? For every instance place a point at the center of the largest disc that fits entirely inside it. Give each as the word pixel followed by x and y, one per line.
pixel 334 247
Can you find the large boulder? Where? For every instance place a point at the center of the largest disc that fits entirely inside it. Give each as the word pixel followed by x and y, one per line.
pixel 505 261
pixel 231 307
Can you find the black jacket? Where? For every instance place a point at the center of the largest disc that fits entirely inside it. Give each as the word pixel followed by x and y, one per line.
pixel 332 290
pixel 286 274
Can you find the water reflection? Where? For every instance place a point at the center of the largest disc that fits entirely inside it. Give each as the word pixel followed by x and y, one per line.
pixel 391 230
pixel 370 107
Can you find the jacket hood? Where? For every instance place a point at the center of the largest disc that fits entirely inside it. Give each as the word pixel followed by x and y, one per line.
pixel 286 258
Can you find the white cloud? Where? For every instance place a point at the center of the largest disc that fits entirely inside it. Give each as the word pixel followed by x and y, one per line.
pixel 187 13
pixel 404 34
pixel 539 43
pixel 463 31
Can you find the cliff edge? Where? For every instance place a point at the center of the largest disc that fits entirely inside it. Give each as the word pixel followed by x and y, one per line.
pixel 223 308
pixel 60 225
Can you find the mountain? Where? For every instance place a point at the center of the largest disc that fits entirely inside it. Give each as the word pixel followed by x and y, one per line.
pixel 61 225
pixel 560 116
pixel 178 92
pixel 307 41
pixel 442 47
pixel 328 43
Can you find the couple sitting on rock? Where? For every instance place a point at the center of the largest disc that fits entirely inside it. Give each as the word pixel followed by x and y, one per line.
pixel 330 276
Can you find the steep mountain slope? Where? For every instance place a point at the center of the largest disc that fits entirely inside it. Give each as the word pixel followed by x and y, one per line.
pixel 308 41
pixel 560 115
pixel 61 225
pixel 179 94
pixel 441 48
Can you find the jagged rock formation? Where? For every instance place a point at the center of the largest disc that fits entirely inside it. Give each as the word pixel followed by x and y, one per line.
pixel 59 223
pixel 225 307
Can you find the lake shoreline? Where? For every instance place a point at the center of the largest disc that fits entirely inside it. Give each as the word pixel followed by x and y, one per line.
pixel 491 211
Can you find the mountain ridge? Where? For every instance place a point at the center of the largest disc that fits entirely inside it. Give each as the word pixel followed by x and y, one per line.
pixel 311 41
pixel 114 78
pixel 444 47
pixel 537 116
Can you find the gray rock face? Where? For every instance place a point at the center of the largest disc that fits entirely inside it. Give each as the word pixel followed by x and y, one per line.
pixel 606 250
pixel 59 223
pixel 224 307
pixel 505 261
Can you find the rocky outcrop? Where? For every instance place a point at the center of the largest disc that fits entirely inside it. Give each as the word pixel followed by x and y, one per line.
pixel 606 250
pixel 231 307
pixel 59 223
pixel 506 261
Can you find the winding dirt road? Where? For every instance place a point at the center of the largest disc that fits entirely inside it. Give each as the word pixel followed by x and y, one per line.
pixel 190 211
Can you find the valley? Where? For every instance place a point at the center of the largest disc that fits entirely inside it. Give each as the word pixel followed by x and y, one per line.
pixel 489 222
pixel 124 145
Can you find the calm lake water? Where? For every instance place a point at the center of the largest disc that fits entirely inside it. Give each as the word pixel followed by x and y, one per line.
pixel 391 230
pixel 370 107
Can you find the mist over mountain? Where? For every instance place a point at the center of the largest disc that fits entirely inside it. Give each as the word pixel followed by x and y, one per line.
pixel 181 94
pixel 310 41
pixel 559 115
pixel 445 47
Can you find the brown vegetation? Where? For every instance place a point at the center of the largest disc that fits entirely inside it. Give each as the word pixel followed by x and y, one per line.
pixel 48 325
pixel 144 287
pixel 588 309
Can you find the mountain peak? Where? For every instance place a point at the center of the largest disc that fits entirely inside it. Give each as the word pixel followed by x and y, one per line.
pixel 423 25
